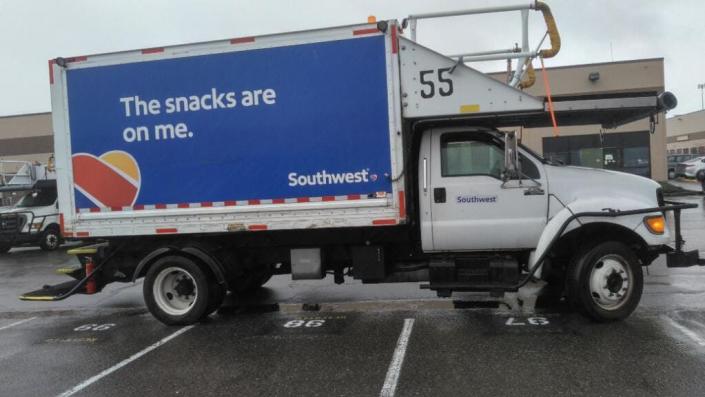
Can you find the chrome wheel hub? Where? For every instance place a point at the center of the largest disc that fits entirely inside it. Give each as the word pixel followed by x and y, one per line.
pixel 51 241
pixel 610 282
pixel 175 291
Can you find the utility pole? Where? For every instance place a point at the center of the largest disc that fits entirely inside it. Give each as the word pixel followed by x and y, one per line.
pixel 701 87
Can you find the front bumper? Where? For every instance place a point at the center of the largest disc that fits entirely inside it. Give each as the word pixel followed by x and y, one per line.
pixel 676 257
pixel 15 228
pixel 684 259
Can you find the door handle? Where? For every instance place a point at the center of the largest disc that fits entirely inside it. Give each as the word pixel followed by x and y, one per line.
pixel 425 175
pixel 534 191
pixel 439 195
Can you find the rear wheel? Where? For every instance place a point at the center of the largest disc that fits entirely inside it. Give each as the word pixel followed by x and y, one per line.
pixel 606 281
pixel 51 239
pixel 177 291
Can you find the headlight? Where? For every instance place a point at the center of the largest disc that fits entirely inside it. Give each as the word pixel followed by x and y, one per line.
pixel 37 224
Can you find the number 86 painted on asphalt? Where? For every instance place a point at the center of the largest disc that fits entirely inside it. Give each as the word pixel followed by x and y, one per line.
pixel 307 324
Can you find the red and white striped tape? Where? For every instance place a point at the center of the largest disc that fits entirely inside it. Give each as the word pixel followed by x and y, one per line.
pixel 231 203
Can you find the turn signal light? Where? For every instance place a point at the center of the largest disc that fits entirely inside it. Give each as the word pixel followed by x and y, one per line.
pixel 655 224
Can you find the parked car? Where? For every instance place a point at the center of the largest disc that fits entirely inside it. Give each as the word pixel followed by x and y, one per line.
pixel 34 220
pixel 674 160
pixel 693 168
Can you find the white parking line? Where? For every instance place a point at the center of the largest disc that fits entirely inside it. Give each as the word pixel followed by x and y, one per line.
pixel 16 323
pixel 390 382
pixel 122 363
pixel 687 332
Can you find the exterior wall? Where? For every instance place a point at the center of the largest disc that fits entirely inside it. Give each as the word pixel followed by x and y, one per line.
pixel 686 133
pixel 26 137
pixel 615 77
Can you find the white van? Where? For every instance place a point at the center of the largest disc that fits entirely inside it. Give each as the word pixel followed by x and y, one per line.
pixel 33 220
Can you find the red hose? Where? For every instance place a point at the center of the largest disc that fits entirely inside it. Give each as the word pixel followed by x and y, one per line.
pixel 547 87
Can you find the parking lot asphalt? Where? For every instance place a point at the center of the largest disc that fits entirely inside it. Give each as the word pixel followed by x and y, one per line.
pixel 364 340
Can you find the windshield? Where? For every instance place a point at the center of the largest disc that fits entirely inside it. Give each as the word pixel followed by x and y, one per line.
pixel 538 156
pixel 40 198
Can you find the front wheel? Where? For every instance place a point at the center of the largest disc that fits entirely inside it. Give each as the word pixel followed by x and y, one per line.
pixel 700 175
pixel 606 281
pixel 51 239
pixel 177 290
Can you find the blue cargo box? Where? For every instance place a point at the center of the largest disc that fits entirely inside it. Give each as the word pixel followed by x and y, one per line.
pixel 295 121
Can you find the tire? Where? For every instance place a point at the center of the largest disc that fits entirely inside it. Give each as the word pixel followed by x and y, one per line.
pixel 5 248
pixel 51 239
pixel 605 282
pixel 250 280
pixel 700 175
pixel 177 291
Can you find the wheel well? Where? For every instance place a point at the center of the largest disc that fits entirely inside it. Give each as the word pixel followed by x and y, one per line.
pixel 190 251
pixel 52 226
pixel 592 234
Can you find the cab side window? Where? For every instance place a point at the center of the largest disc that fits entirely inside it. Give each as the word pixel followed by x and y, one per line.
pixel 464 157
pixel 461 155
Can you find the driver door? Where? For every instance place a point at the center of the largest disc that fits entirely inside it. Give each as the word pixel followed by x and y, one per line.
pixel 470 206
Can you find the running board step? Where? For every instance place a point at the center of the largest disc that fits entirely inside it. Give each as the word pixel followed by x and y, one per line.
pixel 52 293
pixel 75 272
pixel 469 287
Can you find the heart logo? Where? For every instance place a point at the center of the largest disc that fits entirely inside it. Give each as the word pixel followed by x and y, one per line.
pixel 111 180
pixel 373 177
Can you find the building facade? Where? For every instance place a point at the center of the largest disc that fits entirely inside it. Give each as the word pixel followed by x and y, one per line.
pixel 27 137
pixel 632 148
pixel 686 134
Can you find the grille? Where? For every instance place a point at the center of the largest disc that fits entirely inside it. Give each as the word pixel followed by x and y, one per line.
pixel 11 223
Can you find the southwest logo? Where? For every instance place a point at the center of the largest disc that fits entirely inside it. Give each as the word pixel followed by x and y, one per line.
pixel 111 180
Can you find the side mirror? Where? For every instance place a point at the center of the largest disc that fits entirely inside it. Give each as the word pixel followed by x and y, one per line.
pixel 511 157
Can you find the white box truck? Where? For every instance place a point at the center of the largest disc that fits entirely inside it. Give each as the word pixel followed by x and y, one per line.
pixel 353 150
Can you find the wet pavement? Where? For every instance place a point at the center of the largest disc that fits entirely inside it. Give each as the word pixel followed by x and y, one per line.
pixel 364 340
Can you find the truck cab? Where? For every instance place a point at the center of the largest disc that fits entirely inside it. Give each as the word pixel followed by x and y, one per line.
pixel 483 226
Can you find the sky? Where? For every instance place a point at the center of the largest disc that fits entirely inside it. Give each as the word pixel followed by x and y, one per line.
pixel 33 31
